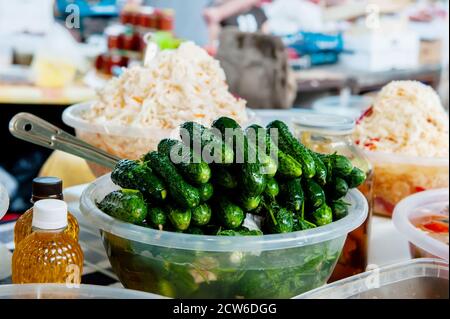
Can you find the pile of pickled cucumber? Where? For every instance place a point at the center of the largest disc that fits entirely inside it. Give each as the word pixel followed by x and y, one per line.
pixel 294 190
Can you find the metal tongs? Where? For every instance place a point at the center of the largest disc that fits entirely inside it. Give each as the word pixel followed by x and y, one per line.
pixel 30 128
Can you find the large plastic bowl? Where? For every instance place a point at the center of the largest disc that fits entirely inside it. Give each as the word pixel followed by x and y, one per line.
pixel 418 206
pixel 120 140
pixel 61 291
pixel 396 177
pixel 197 266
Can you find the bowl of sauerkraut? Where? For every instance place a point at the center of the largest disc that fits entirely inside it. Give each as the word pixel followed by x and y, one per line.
pixel 147 103
pixel 405 136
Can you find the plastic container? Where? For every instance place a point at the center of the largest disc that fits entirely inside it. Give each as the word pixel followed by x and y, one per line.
pixel 120 140
pixel 4 201
pixel 396 177
pixel 61 291
pixel 415 207
pixel 329 134
pixel 352 106
pixel 414 279
pixel 196 266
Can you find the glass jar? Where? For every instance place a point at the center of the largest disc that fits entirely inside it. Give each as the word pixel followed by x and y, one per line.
pixel 329 134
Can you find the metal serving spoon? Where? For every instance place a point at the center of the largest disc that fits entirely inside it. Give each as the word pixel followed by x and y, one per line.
pixel 30 128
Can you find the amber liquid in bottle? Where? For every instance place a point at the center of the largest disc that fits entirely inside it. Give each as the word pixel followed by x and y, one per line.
pixel 47 257
pixel 43 188
pixel 48 254
pixel 23 227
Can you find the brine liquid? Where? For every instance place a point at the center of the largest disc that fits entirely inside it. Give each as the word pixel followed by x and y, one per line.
pixel 23 227
pixel 353 259
pixel 47 257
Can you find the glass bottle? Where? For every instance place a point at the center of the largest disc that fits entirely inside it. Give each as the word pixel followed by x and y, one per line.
pixel 48 254
pixel 43 188
pixel 328 134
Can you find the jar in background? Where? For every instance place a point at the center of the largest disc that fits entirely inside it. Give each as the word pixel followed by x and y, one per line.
pixel 329 134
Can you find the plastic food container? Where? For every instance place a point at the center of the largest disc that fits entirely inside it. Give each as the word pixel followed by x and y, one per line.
pixel 4 201
pixel 120 140
pixel 414 208
pixel 351 106
pixel 197 266
pixel 396 177
pixel 414 279
pixel 61 291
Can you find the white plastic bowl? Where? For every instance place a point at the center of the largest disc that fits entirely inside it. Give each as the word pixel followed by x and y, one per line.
pixel 61 291
pixel 416 206
pixel 199 266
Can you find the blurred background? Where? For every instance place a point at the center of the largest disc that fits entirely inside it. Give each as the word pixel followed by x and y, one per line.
pixel 327 55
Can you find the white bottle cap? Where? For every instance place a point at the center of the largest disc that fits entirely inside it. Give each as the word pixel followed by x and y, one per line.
pixel 49 214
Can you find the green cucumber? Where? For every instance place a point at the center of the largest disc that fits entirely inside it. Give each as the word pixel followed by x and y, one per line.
pixel 224 177
pixel 314 194
pixel 321 169
pixel 288 144
pixel 206 191
pixel 138 175
pixel 279 220
pixel 250 176
pixel 339 209
pixel 338 188
pixel 156 217
pixel 190 166
pixel 180 218
pixel 249 203
pixel 355 178
pixel 201 215
pixel 322 215
pixel 230 215
pixel 272 188
pixel 127 205
pixel 205 142
pixel 181 192
pixel 291 195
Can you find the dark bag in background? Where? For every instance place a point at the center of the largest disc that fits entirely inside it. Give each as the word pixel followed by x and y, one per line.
pixel 257 69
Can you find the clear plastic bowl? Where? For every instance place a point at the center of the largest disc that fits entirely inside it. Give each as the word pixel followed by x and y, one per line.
pixel 396 177
pixel 197 266
pixel 413 279
pixel 414 207
pixel 61 291
pixel 120 140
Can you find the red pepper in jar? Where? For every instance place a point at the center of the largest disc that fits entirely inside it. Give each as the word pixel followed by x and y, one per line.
pixel 436 227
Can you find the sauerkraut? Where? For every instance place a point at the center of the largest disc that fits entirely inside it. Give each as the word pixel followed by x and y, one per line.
pixel 185 84
pixel 407 118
